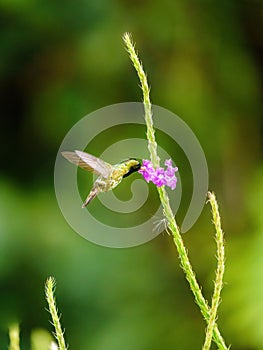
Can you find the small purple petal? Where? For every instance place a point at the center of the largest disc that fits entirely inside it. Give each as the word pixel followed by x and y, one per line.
pixel 171 182
pixel 159 171
pixel 159 179
pixel 168 163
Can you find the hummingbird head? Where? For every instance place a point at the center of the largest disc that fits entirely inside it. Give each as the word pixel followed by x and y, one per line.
pixel 133 165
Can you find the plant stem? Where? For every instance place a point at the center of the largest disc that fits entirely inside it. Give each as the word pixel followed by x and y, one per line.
pixel 49 289
pixel 14 337
pixel 187 267
pixel 219 238
pixel 177 239
pixel 152 145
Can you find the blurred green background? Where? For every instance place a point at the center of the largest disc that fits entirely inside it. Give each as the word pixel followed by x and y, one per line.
pixel 60 60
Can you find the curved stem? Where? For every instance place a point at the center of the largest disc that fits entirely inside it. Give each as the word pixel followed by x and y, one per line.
pixel 49 289
pixel 219 237
pixel 177 239
pixel 14 337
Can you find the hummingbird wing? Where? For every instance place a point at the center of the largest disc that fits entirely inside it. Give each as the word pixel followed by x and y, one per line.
pixel 88 162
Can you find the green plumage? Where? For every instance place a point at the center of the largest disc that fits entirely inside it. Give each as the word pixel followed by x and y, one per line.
pixel 109 176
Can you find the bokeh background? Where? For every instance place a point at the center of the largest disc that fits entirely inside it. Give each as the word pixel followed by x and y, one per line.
pixel 60 60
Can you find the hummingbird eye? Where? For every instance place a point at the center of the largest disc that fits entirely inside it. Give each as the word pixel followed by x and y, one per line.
pixel 133 168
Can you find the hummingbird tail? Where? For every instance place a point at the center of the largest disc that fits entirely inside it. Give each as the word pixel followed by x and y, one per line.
pixel 93 193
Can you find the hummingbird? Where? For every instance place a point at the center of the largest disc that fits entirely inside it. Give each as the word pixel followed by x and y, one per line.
pixel 109 176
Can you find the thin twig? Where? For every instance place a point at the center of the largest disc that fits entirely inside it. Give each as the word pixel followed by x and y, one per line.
pixel 59 334
pixel 220 255
pixel 14 337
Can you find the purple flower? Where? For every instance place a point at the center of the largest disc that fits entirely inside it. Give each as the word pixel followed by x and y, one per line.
pixel 147 170
pixel 159 176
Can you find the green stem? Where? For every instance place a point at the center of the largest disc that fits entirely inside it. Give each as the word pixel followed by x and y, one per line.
pixel 187 267
pixel 152 145
pixel 177 239
pixel 49 289
pixel 14 337
pixel 219 237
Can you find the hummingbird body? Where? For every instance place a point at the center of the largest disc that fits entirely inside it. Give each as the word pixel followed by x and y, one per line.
pixel 109 175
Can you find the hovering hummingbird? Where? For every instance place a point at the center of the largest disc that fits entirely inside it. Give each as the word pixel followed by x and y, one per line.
pixel 109 175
